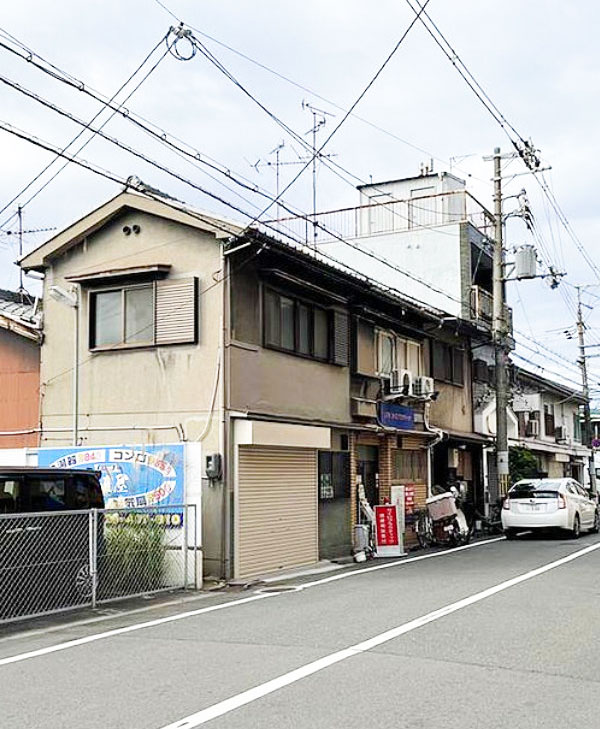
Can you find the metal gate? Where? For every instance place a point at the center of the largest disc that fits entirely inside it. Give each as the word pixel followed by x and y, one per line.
pixel 55 561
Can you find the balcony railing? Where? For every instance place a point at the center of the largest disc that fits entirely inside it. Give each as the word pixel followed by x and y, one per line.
pixel 393 216
pixel 482 309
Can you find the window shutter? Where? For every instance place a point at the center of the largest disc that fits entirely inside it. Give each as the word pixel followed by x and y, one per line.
pixel 341 339
pixel 176 311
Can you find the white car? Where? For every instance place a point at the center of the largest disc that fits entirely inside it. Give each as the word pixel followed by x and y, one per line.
pixel 549 503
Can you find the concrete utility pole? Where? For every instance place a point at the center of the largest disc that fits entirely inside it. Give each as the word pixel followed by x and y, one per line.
pixel 499 334
pixel 587 418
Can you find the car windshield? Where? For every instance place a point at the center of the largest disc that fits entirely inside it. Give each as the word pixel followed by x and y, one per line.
pixel 535 489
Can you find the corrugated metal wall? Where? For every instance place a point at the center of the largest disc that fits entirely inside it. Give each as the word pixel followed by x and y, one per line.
pixel 277 519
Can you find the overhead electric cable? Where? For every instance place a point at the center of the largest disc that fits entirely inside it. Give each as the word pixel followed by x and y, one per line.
pixel 79 134
pixel 316 153
pixel 523 147
pixel 314 93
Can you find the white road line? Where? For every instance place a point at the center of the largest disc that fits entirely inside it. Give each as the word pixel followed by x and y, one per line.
pixel 130 629
pixel 398 563
pixel 222 606
pixel 247 697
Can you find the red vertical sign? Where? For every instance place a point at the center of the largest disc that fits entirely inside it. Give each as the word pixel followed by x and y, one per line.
pixel 386 523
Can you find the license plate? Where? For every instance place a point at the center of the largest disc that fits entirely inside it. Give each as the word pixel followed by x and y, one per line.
pixel 536 507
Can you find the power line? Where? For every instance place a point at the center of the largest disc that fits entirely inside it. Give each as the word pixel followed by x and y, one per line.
pixel 160 135
pixel 523 147
pixel 312 92
pixel 317 153
pixel 87 126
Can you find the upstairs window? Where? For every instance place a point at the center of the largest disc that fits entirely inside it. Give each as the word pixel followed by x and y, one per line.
pixel 161 312
pixel 302 328
pixel 396 353
pixel 448 363
pixel 549 425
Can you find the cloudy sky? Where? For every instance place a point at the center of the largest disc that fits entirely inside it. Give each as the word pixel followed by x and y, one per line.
pixel 538 61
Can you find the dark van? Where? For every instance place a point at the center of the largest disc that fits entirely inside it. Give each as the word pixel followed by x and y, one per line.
pixel 45 538
pixel 26 489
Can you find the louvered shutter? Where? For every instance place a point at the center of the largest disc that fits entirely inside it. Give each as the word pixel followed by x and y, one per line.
pixel 176 311
pixel 341 339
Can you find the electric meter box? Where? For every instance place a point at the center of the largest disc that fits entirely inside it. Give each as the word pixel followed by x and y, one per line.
pixel 213 467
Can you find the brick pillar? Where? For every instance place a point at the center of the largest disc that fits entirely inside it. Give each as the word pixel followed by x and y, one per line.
pixel 386 465
pixel 353 466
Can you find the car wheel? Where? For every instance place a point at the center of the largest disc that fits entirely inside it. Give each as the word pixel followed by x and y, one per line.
pixel 83 582
pixel 596 528
pixel 510 533
pixel 576 530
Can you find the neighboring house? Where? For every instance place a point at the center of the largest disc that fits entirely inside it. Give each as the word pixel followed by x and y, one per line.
pixel 549 424
pixel 429 237
pixel 301 375
pixel 20 339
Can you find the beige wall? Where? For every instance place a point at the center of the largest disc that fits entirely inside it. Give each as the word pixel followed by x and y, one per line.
pixel 453 408
pixel 165 385
pixel 267 381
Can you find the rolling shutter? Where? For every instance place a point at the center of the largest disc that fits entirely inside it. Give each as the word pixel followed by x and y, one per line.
pixel 176 311
pixel 277 512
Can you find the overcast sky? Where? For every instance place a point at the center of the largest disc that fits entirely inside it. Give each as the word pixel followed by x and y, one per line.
pixel 538 61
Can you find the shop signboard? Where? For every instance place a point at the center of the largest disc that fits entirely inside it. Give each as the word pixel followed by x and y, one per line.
pixel 131 475
pixel 386 531
pixel 396 416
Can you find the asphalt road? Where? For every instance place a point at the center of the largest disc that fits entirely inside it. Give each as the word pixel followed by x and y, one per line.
pixel 503 634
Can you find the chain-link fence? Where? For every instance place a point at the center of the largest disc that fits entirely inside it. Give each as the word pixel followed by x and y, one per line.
pixel 61 560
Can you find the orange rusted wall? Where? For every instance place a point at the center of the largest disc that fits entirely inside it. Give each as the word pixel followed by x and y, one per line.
pixel 19 388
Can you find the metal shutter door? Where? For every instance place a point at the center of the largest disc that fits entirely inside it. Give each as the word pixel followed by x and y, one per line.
pixel 277 509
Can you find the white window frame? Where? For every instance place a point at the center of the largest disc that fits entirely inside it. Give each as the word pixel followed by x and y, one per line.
pixel 122 290
pixel 399 344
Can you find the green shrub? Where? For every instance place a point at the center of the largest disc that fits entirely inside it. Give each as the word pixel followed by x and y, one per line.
pixel 135 553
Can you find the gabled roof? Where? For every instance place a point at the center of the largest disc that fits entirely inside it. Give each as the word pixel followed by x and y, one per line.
pixel 546 385
pixel 20 313
pixel 41 257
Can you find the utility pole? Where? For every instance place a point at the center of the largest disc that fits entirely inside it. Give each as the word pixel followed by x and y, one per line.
pixel 499 335
pixel 587 418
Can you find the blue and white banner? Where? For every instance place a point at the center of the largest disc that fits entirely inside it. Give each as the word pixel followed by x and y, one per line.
pixel 131 475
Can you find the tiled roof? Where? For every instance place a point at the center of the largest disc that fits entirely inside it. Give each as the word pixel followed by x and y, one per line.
pixel 21 307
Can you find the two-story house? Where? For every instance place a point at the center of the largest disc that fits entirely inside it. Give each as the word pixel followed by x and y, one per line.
pixel 428 236
pixel 296 376
pixel 20 339
pixel 549 424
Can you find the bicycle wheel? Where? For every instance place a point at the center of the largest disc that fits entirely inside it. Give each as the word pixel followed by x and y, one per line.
pixel 424 529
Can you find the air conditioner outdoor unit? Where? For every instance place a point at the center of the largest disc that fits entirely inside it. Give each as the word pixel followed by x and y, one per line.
pixel 560 434
pixel 423 387
pixel 533 428
pixel 401 382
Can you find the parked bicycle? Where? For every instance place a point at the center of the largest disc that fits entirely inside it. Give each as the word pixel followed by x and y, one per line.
pixel 442 522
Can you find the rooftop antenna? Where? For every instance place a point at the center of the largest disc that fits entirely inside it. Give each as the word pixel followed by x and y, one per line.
pixel 20 233
pixel 20 216
pixel 319 120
